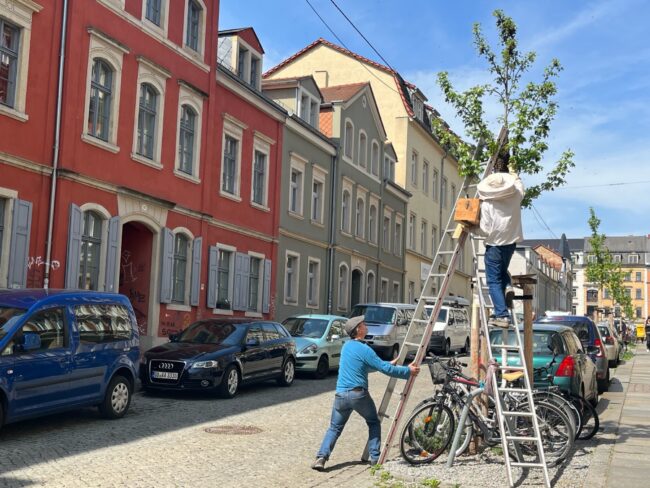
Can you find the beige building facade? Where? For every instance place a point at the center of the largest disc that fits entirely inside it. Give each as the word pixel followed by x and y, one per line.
pixel 423 167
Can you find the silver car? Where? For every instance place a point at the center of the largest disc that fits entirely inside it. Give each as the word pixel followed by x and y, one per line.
pixel 613 346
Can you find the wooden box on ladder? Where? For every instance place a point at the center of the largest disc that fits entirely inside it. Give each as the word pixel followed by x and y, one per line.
pixel 468 211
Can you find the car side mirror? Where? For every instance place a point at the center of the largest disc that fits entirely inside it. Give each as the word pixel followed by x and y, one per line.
pixel 335 337
pixel 173 337
pixel 404 322
pixel 593 349
pixel 252 342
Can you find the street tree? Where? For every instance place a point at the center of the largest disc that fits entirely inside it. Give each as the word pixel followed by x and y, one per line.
pixel 527 110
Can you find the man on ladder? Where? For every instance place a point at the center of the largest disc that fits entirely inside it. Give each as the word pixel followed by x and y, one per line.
pixel 501 193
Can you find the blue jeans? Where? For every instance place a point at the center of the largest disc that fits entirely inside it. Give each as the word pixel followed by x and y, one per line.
pixel 497 260
pixel 344 403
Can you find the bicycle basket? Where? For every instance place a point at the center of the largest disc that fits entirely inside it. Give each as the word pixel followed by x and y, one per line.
pixel 438 373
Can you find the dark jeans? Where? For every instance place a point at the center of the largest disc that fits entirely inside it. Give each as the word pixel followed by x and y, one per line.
pixel 497 260
pixel 344 403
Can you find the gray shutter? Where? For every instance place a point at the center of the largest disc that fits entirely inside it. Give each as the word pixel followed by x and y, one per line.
pixel 195 279
pixel 74 247
pixel 167 261
pixel 213 270
pixel 242 270
pixel 111 254
pixel 266 290
pixel 21 225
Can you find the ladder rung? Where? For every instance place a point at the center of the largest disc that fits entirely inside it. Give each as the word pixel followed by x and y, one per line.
pixel 527 465
pixel 513 390
pixel 504 346
pixel 415 344
pixel 427 298
pixel 421 321
pixel 521 439
pixel 446 252
pixel 512 368
pixel 518 414
pixel 384 414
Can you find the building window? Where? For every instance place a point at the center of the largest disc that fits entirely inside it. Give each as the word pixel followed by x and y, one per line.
pixel 179 270
pixel 345 211
pixel 386 233
pixel 637 276
pixel 295 191
pixel 411 293
pixel 425 177
pixel 574 293
pixel 443 193
pixel 363 149
pixel 313 114
pixel 628 291
pixel 424 234
pixel 412 232
pixel 383 291
pixel 617 258
pixel 317 201
pixel 349 140
pixel 396 293
pixel 627 276
pixel 186 140
pixel 389 168
pixel 193 27
pixel 414 168
pixel 370 287
pixel 255 67
pixel 343 287
pixel 591 258
pixel 229 171
pixel 259 178
pixel 224 270
pixel 153 11
pixel 638 313
pixel 398 238
pixel 633 259
pixel 592 295
pixel 606 294
pixel 434 185
pixel 360 216
pixel 372 224
pixel 91 241
pixel 638 292
pixel 434 239
pixel 313 281
pixel 254 284
pixel 291 279
pixel 147 120
pixel 374 158
pixel 9 39
pixel 99 112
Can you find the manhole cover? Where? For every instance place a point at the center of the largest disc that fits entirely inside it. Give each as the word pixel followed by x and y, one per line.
pixel 234 430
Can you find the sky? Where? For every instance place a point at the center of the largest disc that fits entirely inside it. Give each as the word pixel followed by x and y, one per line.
pixel 603 90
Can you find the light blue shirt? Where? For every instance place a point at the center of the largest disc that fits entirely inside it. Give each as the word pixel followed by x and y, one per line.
pixel 357 360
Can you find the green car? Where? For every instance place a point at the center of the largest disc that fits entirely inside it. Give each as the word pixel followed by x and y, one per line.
pixel 571 369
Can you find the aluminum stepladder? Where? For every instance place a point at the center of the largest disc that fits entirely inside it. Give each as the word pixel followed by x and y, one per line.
pixel 506 417
pixel 420 329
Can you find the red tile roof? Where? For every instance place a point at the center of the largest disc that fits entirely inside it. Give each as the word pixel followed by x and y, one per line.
pixel 341 93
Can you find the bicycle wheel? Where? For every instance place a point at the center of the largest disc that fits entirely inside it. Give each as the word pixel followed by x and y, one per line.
pixel 571 410
pixel 468 431
pixel 427 433
pixel 590 421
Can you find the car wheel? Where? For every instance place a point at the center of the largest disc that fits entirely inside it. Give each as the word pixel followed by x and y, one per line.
pixel 323 367
pixel 466 348
pixel 288 373
pixel 229 382
pixel 603 385
pixel 447 348
pixel 117 398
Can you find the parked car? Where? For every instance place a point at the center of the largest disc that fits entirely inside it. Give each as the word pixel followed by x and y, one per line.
pixel 589 335
pixel 452 328
pixel 613 346
pixel 387 325
pixel 65 349
pixel 558 346
pixel 219 355
pixel 319 339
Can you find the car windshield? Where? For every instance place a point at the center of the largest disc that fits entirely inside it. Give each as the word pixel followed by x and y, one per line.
pixel 8 315
pixel 374 314
pixel 212 332
pixel 543 342
pixel 442 316
pixel 305 327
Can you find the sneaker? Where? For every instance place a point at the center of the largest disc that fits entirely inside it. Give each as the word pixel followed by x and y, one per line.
pixel 510 296
pixel 503 322
pixel 319 465
pixel 374 462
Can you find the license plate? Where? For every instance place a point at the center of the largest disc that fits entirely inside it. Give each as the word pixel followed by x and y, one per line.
pixel 164 375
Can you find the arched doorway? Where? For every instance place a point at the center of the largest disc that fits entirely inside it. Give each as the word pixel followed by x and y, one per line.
pixel 357 283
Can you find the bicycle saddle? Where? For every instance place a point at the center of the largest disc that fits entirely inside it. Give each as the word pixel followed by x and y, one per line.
pixel 511 377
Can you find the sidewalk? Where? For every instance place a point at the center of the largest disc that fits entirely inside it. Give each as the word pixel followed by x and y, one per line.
pixel 621 457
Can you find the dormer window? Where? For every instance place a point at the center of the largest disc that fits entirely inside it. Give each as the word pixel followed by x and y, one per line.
pixel 241 63
pixel 255 67
pixel 418 107
pixel 249 66
pixel 308 107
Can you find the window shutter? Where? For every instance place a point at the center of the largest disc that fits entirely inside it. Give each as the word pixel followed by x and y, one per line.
pixel 167 262
pixel 21 224
pixel 242 270
pixel 266 290
pixel 74 247
pixel 195 278
pixel 213 269
pixel 111 253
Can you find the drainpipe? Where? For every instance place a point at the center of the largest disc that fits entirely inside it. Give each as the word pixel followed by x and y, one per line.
pixel 442 174
pixel 332 232
pixel 57 138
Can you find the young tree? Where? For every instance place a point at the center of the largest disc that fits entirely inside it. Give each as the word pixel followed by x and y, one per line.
pixel 527 112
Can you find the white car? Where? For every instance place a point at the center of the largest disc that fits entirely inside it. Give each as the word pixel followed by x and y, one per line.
pixel 452 328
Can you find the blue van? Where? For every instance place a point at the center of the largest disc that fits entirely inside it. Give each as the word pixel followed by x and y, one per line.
pixel 66 349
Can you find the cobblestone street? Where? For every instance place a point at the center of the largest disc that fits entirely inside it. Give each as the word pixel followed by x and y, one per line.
pixel 163 441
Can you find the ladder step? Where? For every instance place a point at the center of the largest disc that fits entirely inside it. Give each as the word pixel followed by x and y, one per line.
pixel 446 252
pixel 414 344
pixel 521 439
pixel 513 390
pixel 518 414
pixel 420 321
pixel 512 368
pixel 527 465
pixel 504 346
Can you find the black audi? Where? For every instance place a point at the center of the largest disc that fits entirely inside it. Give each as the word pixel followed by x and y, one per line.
pixel 219 355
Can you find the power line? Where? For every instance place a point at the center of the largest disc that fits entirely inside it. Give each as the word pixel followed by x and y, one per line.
pixel 543 222
pixel 623 183
pixel 359 32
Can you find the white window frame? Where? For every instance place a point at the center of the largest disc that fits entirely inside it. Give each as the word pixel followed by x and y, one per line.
pixel 231 278
pixel 371 287
pixel 187 96
pixel 260 287
pixel 411 230
pixel 157 77
pixel 293 299
pixel 161 29
pixel 299 164
pixel 373 233
pixel 185 306
pixel 397 292
pixel 397 244
pixel 311 99
pixel 443 192
pixel 435 193
pixel 389 168
pixel 10 197
pixel 316 281
pixel 425 177
pixel 348 157
pixel 383 290
pixel 362 162
pixel 413 166
pixel 411 292
pixel 346 187
pixel 202 25
pixel 319 175
pixel 386 233
pixel 20 13
pixel 632 259
pixel 424 235
pixel 235 129
pixel 342 298
pixel 360 227
pixel 434 239
pixel 375 154
pixel 113 54
pixel 263 146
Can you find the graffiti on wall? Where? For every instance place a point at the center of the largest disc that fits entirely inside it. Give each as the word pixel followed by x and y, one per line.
pixel 36 269
pixel 173 322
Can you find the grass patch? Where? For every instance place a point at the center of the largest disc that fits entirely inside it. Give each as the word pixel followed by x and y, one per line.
pixel 431 483
pixel 627 355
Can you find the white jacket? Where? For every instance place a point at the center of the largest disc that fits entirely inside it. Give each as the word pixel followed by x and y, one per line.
pixel 501 195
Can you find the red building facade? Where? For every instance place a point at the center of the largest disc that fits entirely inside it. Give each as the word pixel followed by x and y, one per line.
pixel 166 166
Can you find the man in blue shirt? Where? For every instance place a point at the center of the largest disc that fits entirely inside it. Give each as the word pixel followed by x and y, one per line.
pixel 357 359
